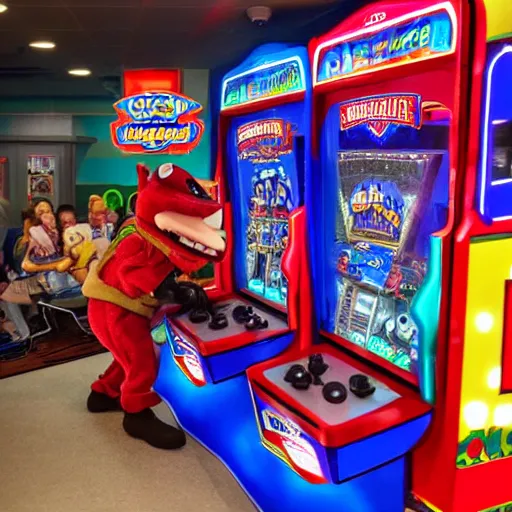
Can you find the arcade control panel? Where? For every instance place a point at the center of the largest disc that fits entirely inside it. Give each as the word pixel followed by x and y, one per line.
pixel 226 338
pixel 232 321
pixel 330 417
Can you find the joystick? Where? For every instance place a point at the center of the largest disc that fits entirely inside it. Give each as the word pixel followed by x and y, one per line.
pixel 335 392
pixel 198 316
pixel 256 322
pixel 361 386
pixel 218 322
pixel 298 377
pixel 317 367
pixel 242 314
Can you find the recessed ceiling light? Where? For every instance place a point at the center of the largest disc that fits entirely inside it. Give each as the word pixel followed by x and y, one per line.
pixel 3 7
pixel 42 45
pixel 79 72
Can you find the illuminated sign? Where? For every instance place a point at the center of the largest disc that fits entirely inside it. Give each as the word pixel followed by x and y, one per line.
pixel 280 425
pixel 186 356
pixel 385 43
pixel 157 123
pixel 269 138
pixel 266 81
pixel 379 112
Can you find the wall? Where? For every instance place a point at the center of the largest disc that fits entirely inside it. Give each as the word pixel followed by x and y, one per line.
pixel 101 165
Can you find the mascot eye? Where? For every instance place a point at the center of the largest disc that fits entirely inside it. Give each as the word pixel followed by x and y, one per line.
pixel 197 190
pixel 164 171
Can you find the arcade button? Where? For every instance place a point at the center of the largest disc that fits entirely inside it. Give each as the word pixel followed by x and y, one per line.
pixel 242 314
pixel 298 377
pixel 219 321
pixel 361 386
pixel 317 367
pixel 334 392
pixel 256 322
pixel 199 316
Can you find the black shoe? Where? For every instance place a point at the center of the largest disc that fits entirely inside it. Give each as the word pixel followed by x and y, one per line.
pixel 146 426
pixel 99 402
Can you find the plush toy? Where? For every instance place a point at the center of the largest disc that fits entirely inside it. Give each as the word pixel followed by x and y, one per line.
pixel 177 228
pixel 81 250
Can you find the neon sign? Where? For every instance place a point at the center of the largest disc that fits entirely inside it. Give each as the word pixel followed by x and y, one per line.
pixel 157 122
pixel 385 43
pixel 269 138
pixel 379 112
pixel 268 81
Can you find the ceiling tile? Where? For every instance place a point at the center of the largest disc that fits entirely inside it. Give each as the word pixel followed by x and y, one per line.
pixel 105 18
pixel 36 19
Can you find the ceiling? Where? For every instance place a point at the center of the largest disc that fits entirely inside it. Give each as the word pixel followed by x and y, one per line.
pixel 107 35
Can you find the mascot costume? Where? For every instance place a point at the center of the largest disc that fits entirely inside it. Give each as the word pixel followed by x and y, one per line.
pixel 176 230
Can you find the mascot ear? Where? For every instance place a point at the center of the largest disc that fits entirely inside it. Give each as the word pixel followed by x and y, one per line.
pixel 143 174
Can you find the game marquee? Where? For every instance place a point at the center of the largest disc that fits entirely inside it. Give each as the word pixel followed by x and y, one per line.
pixel 379 112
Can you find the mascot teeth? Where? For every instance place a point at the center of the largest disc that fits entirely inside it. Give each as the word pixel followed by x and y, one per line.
pixel 186 241
pixel 215 220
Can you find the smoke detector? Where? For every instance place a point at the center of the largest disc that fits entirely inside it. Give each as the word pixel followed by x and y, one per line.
pixel 259 15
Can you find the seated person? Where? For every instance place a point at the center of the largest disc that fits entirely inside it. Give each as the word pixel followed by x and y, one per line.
pixel 66 217
pixel 98 216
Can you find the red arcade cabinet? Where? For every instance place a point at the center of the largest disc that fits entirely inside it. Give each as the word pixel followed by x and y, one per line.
pixel 387 106
pixel 263 156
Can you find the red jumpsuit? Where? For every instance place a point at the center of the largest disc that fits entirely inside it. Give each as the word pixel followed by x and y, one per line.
pixel 136 269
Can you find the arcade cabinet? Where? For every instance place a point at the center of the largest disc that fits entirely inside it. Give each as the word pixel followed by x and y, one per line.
pixel 387 105
pixel 264 127
pixel 465 462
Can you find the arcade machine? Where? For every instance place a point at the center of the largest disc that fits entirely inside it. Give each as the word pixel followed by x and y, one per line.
pixel 469 449
pixel 264 129
pixel 387 100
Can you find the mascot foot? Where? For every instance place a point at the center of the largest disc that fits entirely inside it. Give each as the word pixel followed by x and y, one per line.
pixel 146 426
pixel 99 402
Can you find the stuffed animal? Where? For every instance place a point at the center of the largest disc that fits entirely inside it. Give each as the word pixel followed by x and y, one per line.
pixel 177 228
pixel 80 248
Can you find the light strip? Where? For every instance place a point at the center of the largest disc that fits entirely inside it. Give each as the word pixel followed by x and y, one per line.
pixel 501 181
pixel 487 115
pixel 447 6
pixel 261 68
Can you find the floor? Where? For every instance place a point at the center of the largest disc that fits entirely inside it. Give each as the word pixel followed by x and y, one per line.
pixel 57 457
pixel 67 343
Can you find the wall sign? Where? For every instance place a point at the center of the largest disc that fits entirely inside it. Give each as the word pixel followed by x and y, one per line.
pixel 385 43
pixel 269 81
pixel 157 122
pixel 379 112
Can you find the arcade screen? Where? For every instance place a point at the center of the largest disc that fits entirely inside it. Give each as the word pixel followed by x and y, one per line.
pixel 268 159
pixel 391 188
pixel 502 150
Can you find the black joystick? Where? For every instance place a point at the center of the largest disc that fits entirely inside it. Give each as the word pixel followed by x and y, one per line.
pixel 335 392
pixel 298 377
pixel 242 314
pixel 218 322
pixel 256 322
pixel 198 316
pixel 317 367
pixel 361 386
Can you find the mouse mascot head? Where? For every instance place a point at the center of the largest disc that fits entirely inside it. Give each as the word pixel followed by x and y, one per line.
pixel 180 217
